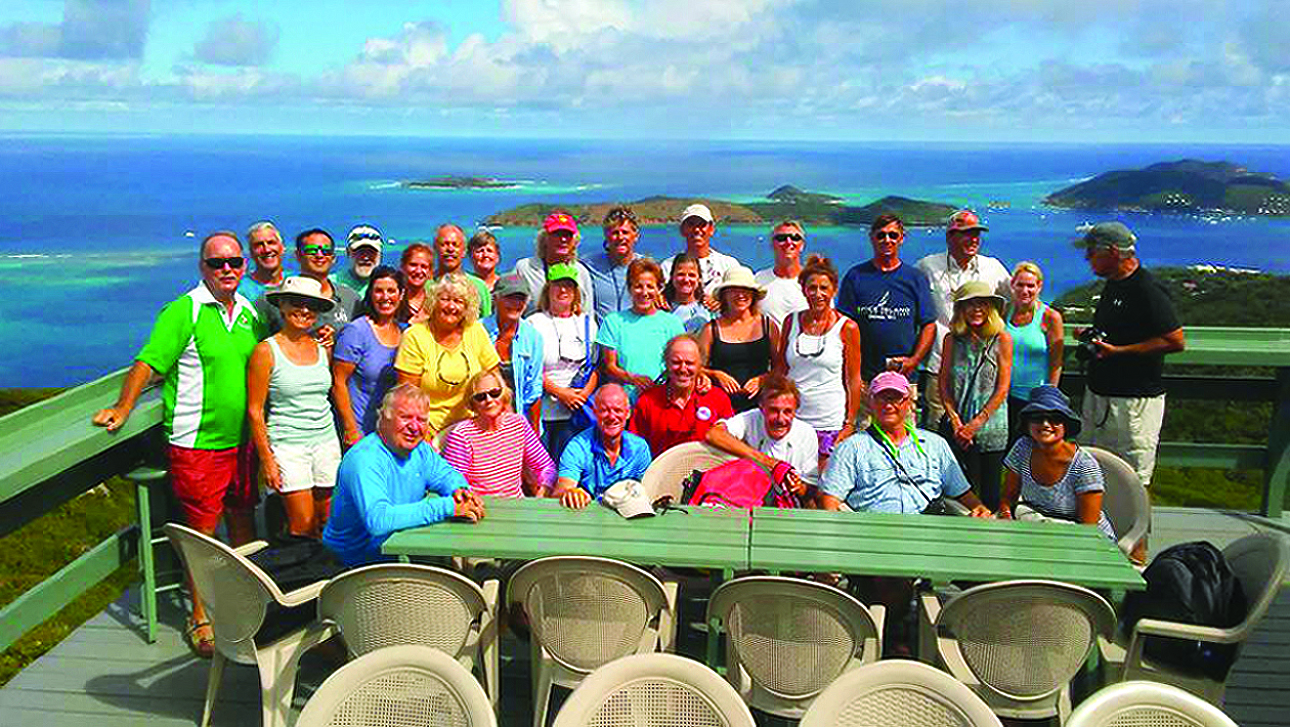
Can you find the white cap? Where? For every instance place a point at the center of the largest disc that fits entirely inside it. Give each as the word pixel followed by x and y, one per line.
pixel 697 210
pixel 363 236
pixel 628 498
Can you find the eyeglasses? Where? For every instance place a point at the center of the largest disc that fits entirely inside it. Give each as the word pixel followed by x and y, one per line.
pixel 797 346
pixel 888 235
pixel 480 397
pixel 786 236
pixel 446 356
pixel 319 250
pixel 218 263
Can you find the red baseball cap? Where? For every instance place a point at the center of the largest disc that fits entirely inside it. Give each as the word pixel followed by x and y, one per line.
pixel 560 221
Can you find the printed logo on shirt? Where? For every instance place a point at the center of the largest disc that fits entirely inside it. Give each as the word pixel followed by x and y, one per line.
pixel 882 310
pixel 703 413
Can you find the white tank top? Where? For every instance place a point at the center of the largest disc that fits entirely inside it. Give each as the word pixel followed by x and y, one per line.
pixel 815 364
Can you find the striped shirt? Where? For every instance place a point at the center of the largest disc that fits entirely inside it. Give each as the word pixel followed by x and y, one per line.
pixel 1060 499
pixel 494 461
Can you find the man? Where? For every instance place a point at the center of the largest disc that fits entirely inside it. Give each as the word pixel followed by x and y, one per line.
pixel 200 347
pixel 697 227
pixel 772 436
pixel 891 302
pixel 783 292
pixel 383 480
pixel 676 412
pixel 603 455
pixel 449 252
pixel 265 243
pixel 524 345
pixel 557 244
pixel 945 272
pixel 1134 327
pixel 608 268
pixel 363 248
pixel 315 253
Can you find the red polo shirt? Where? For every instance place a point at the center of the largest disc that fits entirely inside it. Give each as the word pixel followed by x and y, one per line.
pixel 664 424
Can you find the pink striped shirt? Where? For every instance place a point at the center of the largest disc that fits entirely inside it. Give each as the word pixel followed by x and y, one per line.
pixel 495 462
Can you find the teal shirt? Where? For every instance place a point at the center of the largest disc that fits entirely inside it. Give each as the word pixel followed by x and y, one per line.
pixel 639 340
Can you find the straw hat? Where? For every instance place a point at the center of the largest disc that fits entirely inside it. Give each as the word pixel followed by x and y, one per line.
pixel 299 287
pixel 739 277
pixel 974 289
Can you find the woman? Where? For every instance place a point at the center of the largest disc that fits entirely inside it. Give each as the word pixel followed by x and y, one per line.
pixel 417 264
pixel 518 344
pixel 1047 471
pixel 820 352
pixel 496 450
pixel 684 293
pixel 632 340
pixel 443 353
pixel 569 375
pixel 974 387
pixel 362 366
pixel 738 344
pixel 485 256
pixel 1037 343
pixel 296 439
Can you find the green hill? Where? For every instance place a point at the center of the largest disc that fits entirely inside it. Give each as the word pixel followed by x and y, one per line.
pixel 1182 186
pixel 1204 295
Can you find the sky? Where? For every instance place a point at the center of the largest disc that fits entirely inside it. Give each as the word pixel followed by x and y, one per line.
pixel 1210 71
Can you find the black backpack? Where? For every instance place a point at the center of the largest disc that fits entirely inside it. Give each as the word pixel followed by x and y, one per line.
pixel 1189 583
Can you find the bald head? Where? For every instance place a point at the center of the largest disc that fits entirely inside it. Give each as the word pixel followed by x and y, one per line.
pixel 612 408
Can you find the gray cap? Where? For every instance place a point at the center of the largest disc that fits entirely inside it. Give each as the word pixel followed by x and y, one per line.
pixel 510 284
pixel 1108 234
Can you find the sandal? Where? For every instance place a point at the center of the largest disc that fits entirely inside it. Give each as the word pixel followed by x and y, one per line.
pixel 201 643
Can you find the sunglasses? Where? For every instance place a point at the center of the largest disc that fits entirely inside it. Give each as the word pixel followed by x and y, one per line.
pixel 319 250
pixel 786 236
pixel 218 263
pixel 1046 418
pixel 312 305
pixel 888 235
pixel 480 397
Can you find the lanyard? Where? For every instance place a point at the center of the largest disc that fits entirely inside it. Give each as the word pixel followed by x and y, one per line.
pixel 902 475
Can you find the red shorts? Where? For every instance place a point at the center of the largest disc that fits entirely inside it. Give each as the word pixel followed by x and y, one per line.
pixel 209 481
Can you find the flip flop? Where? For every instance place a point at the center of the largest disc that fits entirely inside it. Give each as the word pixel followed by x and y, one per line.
pixel 203 646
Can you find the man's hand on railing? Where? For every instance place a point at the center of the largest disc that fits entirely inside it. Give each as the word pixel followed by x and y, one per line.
pixel 112 418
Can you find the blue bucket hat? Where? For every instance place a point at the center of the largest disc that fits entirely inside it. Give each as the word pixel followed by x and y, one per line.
pixel 1048 399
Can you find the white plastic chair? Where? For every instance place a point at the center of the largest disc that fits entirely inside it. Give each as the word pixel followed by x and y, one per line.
pixel 898 693
pixel 1124 500
pixel 1018 644
pixel 654 690
pixel 788 639
pixel 1259 561
pixel 665 473
pixel 399 686
pixel 1147 704
pixel 585 612
pixel 392 604
pixel 237 594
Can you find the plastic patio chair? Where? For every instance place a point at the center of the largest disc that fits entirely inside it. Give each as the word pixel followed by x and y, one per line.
pixel 788 639
pixel 1018 644
pixel 898 693
pixel 585 612
pixel 237 595
pixel 399 686
pixel 1147 704
pixel 392 604
pixel 1259 561
pixel 1124 500
pixel 654 690
pixel 665 473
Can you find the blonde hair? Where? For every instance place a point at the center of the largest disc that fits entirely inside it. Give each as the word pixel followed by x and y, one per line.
pixel 403 392
pixel 1025 266
pixel 544 299
pixel 992 327
pixel 472 388
pixel 459 284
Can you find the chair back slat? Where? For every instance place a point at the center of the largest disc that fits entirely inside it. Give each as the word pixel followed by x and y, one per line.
pixel 233 589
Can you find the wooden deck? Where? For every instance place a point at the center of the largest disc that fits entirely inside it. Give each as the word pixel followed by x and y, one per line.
pixel 106 675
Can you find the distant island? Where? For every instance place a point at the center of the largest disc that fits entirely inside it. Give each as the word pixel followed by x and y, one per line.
pixel 459 183
pixel 785 202
pixel 1182 186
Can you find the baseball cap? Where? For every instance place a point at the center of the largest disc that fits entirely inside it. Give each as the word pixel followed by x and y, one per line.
pixel 628 498
pixel 697 210
pixel 964 221
pixel 1107 234
pixel 560 221
pixel 561 271
pixel 363 236
pixel 510 284
pixel 888 381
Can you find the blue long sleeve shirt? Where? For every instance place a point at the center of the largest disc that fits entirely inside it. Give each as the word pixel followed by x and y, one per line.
pixel 526 358
pixel 378 494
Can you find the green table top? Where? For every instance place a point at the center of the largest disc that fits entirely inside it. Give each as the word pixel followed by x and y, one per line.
pixel 939 548
pixel 535 528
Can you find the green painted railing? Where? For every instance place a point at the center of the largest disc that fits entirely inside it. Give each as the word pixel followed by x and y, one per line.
pixel 50 453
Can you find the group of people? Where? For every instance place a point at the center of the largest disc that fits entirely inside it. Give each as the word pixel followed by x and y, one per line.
pixel 572 372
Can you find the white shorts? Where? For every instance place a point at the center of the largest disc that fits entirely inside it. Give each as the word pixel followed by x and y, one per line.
pixel 306 466
pixel 1129 426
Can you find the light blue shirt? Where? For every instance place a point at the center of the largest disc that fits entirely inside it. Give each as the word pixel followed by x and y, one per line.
pixel 610 284
pixel 527 351
pixel 378 494
pixel 584 461
pixel 863 474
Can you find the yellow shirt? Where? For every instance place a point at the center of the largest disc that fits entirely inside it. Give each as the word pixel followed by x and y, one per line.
pixel 444 370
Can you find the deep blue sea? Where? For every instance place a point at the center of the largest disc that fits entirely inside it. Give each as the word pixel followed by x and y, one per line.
pixel 92 235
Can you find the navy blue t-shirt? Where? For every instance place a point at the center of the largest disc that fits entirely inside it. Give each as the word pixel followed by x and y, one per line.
pixel 891 309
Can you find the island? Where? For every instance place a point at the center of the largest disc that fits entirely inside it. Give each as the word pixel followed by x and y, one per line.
pixel 785 202
pixel 1187 186
pixel 459 183
pixel 1203 295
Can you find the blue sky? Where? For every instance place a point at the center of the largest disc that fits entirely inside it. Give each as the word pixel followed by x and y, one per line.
pixel 952 70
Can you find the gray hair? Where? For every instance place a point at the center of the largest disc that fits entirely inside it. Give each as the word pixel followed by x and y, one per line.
pixel 263 225
pixel 539 246
pixel 459 284
pixel 403 392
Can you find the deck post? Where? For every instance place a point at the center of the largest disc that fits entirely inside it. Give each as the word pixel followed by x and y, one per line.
pixel 1277 470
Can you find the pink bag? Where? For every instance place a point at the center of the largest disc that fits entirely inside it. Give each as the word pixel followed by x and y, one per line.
pixel 739 484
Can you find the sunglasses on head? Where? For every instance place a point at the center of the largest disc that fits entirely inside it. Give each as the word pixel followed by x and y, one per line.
pixel 786 236
pixel 321 250
pixel 887 235
pixel 218 263
pixel 480 397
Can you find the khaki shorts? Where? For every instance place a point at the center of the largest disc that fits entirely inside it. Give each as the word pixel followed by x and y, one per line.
pixel 1126 425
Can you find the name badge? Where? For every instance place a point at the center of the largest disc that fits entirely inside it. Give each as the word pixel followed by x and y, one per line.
pixel 703 413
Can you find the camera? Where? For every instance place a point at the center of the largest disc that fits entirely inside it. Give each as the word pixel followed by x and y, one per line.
pixel 1087 351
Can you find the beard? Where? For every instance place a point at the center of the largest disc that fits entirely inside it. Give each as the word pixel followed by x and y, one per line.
pixel 364 270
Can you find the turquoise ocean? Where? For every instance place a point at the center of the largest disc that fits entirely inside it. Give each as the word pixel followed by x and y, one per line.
pixel 95 231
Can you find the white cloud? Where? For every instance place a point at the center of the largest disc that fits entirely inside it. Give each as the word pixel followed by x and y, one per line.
pixel 237 41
